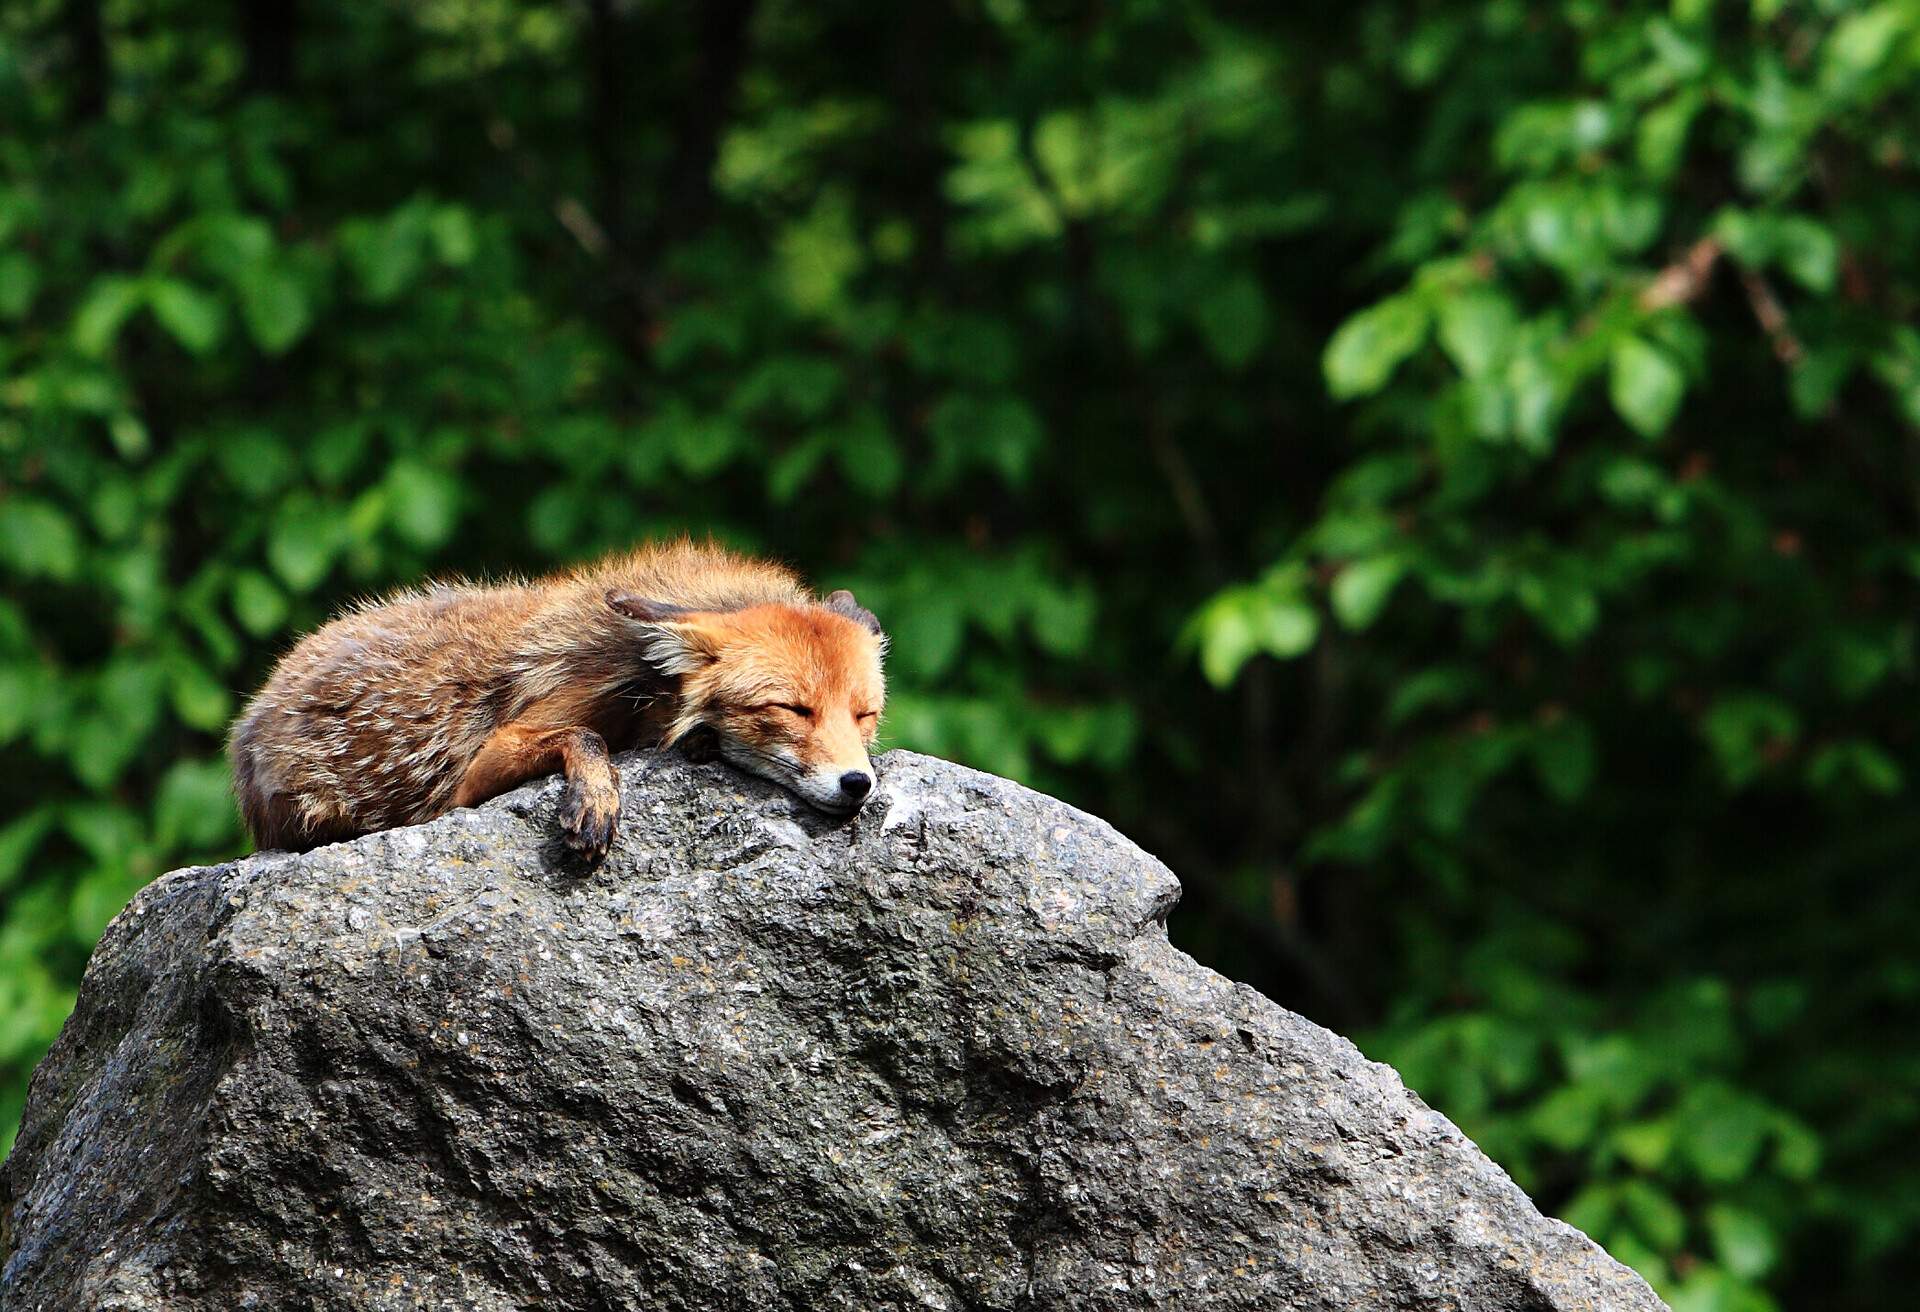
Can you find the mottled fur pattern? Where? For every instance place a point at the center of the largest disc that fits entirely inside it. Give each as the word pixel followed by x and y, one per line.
pixel 404 708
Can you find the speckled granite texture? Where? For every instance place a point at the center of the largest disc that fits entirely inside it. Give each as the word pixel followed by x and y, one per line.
pixel 938 1057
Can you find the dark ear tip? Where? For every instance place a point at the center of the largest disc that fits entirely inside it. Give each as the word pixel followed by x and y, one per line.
pixel 841 602
pixel 642 608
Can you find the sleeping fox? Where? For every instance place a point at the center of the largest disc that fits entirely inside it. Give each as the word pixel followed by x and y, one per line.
pixel 403 709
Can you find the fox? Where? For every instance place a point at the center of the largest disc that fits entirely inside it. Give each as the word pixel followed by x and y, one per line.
pixel 443 696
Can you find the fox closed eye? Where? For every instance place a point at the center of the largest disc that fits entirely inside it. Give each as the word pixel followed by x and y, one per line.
pixel 804 712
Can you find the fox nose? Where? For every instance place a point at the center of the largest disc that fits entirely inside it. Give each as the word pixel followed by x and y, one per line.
pixel 856 784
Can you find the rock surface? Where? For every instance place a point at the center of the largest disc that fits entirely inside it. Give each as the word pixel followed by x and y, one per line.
pixel 942 1056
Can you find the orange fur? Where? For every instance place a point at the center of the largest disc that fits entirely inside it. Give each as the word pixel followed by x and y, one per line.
pixel 400 710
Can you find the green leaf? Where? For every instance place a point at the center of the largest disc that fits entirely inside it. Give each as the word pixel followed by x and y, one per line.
pixel 98 898
pixel 1796 1149
pixel 1858 761
pixel 1000 431
pixel 868 455
pixel 1654 1214
pixel 1745 730
pixel 423 503
pixel 1563 758
pixel 1808 251
pixel 302 545
pixel 104 831
pixel 1243 622
pixel 790 470
pixel 199 699
pixel 1363 354
pixel 454 239
pixel 1566 1118
pixel 1721 1131
pixel 704 445
pixel 193 808
pixel 1742 1241
pixel 196 319
pixel 1646 385
pixel 386 254
pixel 257 461
pixel 274 306
pixel 1233 321
pixel 260 606
pixel 18 840
pixel 19 282
pixel 1361 589
pixel 1563 604
pixel 1860 43
pixel 110 300
pixel 37 540
pixel 926 636
pixel 1477 331
pixel 1646 1144
pixel 1662 136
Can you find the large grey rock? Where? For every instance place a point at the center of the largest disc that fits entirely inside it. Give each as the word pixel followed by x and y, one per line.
pixel 939 1057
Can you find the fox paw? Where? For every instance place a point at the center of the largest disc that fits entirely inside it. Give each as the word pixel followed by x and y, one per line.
pixel 588 811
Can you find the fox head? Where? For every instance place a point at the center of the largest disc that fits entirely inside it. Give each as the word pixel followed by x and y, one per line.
pixel 792 693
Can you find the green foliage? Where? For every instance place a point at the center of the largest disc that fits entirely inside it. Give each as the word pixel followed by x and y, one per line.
pixel 1441 475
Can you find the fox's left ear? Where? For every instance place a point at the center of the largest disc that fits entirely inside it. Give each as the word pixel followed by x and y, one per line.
pixel 842 603
pixel 674 639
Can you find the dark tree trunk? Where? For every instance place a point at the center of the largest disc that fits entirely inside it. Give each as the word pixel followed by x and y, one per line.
pixel 269 33
pixel 705 104
pixel 87 77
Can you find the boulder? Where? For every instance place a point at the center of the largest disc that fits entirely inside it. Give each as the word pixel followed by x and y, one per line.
pixel 938 1056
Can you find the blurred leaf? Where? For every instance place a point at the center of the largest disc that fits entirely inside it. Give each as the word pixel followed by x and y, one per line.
pixel 1742 1241
pixel 1476 329
pixel 1646 1144
pixel 1367 349
pixel 1566 1118
pixel 19 283
pixel 386 254
pixel 1233 320
pixel 1743 729
pixel 1656 1216
pixel 259 606
pixel 275 308
pixel 37 540
pixel 302 545
pixel 1646 386
pixel 193 807
pixel 1721 1131
pixel 423 503
pixel 18 839
pixel 868 456
pixel 109 302
pixel 1563 758
pixel 1361 589
pixel 196 320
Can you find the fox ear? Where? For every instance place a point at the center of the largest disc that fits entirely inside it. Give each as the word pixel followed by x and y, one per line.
pixel 842 603
pixel 671 637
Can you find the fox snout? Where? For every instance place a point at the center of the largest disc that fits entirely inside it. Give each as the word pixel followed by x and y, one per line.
pixel 842 792
pixel 839 789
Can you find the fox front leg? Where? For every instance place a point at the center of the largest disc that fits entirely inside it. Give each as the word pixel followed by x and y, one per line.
pixel 590 804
